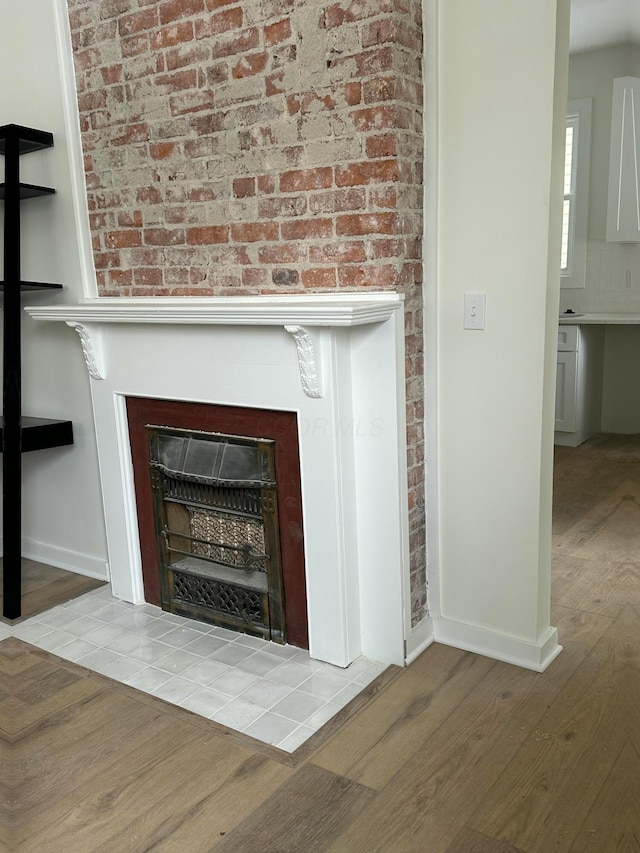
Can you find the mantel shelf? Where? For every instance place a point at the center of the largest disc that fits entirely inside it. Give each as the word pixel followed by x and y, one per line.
pixel 344 309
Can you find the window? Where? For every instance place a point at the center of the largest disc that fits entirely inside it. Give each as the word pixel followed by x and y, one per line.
pixel 575 212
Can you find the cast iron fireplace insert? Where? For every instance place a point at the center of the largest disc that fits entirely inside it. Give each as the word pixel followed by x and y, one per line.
pixel 216 516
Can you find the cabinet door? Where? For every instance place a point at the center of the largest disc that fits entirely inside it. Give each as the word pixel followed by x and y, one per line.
pixel 623 213
pixel 566 389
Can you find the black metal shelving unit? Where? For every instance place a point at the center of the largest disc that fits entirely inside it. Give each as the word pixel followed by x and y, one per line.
pixel 18 435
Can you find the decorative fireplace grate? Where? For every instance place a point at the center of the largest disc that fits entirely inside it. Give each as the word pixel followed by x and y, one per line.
pixel 215 504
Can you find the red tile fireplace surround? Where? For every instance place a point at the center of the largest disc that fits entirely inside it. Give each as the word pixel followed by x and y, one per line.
pixel 256 423
pixel 335 363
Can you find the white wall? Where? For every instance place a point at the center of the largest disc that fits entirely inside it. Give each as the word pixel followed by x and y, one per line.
pixel 495 402
pixel 62 516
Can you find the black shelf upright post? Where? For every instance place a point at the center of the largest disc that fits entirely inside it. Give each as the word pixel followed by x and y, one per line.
pixel 18 435
pixel 12 386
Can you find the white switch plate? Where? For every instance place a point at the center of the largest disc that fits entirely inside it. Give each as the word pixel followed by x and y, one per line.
pixel 474 309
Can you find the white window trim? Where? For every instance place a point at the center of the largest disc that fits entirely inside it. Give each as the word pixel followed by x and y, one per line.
pixel 579 113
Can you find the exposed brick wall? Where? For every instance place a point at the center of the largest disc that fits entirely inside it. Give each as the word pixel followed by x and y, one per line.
pixel 259 146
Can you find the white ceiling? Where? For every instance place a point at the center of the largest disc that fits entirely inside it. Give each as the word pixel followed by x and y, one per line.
pixel 597 23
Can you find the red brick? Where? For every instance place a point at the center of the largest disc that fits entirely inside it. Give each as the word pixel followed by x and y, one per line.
pixel 243 41
pixel 306 179
pixel 277 32
pixel 266 184
pixel 92 100
pixel 335 201
pixel 111 73
pixel 274 84
pixel 366 223
pixel 132 133
pixel 149 195
pixel 254 278
pixel 384 197
pixel 217 4
pixel 178 81
pixel 384 145
pixel 130 218
pixel 122 239
pixel 172 35
pixel 353 93
pixel 374 118
pixel 130 24
pixel 248 66
pixel 282 253
pixel 230 19
pixel 367 172
pixel 337 253
pixel 373 275
pixel 147 277
pixel 187 54
pixel 134 46
pixel 147 256
pixel 207 235
pixel 121 278
pixel 254 232
pixel 244 187
pixel 379 89
pixel 175 9
pixel 191 102
pixel 319 277
pixel 163 236
pixel 277 208
pixel 104 260
pixel 304 229
pixel 163 150
pixel 201 194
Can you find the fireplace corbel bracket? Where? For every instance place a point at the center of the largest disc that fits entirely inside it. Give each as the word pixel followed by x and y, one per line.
pixel 91 350
pixel 307 361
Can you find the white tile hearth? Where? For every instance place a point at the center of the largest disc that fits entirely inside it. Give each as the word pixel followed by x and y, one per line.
pixel 276 694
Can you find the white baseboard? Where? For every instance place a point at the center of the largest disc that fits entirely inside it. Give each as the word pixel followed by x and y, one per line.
pixel 62 558
pixel 536 656
pixel 419 639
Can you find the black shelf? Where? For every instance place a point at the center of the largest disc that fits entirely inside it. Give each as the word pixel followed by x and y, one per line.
pixel 42 433
pixel 18 435
pixel 28 286
pixel 29 139
pixel 29 191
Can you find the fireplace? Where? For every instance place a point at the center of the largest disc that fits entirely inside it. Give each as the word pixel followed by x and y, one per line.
pixel 334 364
pixel 216 510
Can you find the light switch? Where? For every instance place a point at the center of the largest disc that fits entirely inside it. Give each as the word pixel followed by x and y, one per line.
pixel 474 309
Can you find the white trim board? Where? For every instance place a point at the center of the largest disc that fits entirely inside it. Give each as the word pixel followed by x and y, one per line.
pixel 63 558
pixel 504 647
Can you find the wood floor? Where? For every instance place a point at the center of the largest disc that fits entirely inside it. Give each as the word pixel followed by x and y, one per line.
pixel 45 586
pixel 456 754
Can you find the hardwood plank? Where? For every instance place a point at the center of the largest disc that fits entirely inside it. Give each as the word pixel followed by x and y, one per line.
pixel 305 814
pixel 402 718
pixel 439 788
pixel 555 776
pixel 469 841
pixel 613 822
pixel 213 811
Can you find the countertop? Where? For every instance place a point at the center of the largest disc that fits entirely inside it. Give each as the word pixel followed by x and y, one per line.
pixel 599 319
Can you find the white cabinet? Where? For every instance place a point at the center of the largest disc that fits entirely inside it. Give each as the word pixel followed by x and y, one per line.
pixel 623 211
pixel 579 383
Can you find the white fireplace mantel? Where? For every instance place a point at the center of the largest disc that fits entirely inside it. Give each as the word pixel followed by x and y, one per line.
pixel 342 309
pixel 337 361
